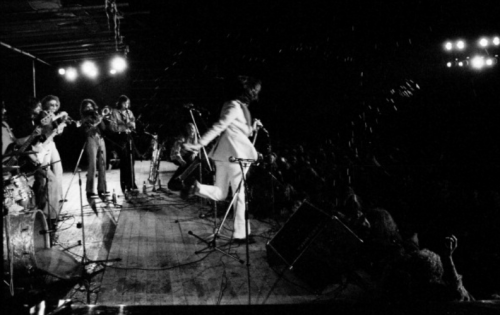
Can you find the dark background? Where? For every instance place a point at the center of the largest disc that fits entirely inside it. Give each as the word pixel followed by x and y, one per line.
pixel 371 77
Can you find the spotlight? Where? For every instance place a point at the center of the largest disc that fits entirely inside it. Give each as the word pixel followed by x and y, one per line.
pixel 449 64
pixel 448 46
pixel 496 41
pixel 112 71
pixel 477 62
pixel 90 69
pixel 119 64
pixel 490 61
pixel 460 44
pixel 71 74
pixel 483 42
pixel 460 63
pixel 62 71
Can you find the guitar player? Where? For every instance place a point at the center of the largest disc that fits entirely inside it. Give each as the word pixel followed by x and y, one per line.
pixel 30 124
pixel 182 157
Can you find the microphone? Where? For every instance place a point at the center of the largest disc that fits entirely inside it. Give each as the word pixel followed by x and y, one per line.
pixel 264 129
pixel 190 106
pixel 232 159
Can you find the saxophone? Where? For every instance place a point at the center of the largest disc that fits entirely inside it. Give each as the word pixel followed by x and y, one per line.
pixel 155 160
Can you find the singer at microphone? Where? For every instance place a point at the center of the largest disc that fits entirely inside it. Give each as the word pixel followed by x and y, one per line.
pixel 234 128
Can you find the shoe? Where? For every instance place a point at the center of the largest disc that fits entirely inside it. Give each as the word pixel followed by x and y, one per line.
pixel 63 200
pixel 240 241
pixel 104 193
pixel 92 196
pixel 189 189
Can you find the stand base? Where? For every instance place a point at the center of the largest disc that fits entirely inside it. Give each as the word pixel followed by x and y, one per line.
pixel 212 247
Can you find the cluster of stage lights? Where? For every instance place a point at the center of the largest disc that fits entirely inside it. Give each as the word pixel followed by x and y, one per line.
pixel 90 69
pixel 479 60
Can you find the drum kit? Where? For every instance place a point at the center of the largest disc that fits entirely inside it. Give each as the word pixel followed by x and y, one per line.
pixel 26 239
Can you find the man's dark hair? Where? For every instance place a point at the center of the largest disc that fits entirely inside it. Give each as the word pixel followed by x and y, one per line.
pixel 121 100
pixel 245 88
pixel 85 102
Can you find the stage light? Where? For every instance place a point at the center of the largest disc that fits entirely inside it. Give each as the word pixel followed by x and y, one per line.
pixel 477 62
pixel 90 69
pixel 112 71
pixel 448 46
pixel 483 42
pixel 62 71
pixel 71 74
pixel 460 44
pixel 490 61
pixel 496 41
pixel 460 63
pixel 119 64
pixel 449 64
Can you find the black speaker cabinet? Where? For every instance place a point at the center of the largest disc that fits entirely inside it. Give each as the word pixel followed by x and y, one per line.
pixel 317 246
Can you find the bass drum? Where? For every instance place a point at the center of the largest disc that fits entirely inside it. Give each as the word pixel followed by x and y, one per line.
pixel 23 236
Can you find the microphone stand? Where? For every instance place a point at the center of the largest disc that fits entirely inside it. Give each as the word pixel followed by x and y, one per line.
pixel 247 245
pixel 209 167
pixel 85 260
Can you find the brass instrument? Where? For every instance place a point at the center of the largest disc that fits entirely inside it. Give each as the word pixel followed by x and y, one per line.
pixel 106 111
pixel 155 159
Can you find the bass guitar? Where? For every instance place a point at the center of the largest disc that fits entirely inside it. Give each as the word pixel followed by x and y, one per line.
pixel 14 152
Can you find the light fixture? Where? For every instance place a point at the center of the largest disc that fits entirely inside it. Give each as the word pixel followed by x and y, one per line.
pixel 491 61
pixel 89 68
pixel 71 74
pixel 119 64
pixel 449 64
pixel 62 71
pixel 483 42
pixel 460 44
pixel 112 71
pixel 496 41
pixel 477 62
pixel 448 46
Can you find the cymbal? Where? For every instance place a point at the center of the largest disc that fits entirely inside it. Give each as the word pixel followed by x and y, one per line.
pixel 15 153
pixel 9 168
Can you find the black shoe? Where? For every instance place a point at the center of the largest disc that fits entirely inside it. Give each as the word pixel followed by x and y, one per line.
pixel 92 196
pixel 63 200
pixel 240 241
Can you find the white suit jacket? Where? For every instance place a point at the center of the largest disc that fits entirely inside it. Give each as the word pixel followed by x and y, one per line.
pixel 234 131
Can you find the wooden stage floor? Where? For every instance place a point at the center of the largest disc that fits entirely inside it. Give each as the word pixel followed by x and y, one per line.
pixel 149 233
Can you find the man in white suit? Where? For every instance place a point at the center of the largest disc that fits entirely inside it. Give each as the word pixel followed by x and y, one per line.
pixel 234 127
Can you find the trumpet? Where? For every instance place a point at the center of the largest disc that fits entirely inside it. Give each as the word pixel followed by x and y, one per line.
pixel 106 111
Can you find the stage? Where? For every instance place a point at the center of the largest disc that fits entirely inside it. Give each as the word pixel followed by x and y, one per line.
pixel 152 260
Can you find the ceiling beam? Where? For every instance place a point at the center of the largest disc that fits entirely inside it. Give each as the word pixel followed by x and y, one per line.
pixel 89 40
pixel 80 32
pixel 88 47
pixel 62 10
pixel 23 52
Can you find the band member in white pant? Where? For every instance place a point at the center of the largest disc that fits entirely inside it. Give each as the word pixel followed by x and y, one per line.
pixel 234 127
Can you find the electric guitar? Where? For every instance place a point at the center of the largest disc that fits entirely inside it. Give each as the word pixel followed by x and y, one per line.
pixel 178 183
pixel 16 152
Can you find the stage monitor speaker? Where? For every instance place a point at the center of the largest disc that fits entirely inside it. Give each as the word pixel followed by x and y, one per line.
pixel 317 246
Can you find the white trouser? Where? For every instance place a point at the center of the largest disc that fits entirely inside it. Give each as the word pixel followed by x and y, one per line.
pixel 55 183
pixel 226 174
